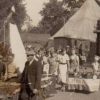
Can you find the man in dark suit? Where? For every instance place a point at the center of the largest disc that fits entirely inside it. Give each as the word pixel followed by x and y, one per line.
pixel 31 78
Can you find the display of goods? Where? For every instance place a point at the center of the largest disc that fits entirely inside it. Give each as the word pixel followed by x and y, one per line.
pixel 46 81
pixel 9 89
pixel 80 74
pixel 84 74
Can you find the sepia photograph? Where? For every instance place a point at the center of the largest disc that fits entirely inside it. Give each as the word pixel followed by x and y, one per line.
pixel 49 49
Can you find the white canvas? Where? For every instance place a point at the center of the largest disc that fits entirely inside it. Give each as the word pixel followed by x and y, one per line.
pixel 82 24
pixel 17 47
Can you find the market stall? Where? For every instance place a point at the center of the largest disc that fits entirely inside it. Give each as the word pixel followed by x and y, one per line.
pixel 90 85
pixel 84 80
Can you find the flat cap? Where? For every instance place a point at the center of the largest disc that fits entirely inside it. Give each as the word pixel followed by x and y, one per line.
pixel 30 53
pixel 96 57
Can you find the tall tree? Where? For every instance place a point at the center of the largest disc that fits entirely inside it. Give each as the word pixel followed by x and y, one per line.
pixel 55 13
pixel 20 12
pixel 52 15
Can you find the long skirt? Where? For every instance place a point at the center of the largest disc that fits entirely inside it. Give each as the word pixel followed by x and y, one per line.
pixel 63 72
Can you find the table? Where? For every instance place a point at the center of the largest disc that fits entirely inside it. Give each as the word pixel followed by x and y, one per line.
pixel 90 85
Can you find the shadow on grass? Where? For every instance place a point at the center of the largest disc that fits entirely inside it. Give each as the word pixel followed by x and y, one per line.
pixel 58 88
pixel 79 91
pixel 75 91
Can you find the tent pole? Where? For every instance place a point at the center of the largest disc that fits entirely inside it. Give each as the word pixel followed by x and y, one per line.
pixel 7 20
pixel 64 25
pixel 64 28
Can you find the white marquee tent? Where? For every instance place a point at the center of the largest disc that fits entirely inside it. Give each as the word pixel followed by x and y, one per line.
pixel 17 47
pixel 82 24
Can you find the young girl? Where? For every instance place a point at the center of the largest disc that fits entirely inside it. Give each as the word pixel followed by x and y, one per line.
pixel 95 65
pixel 74 61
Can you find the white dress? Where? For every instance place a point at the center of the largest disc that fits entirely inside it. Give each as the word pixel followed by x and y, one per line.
pixel 63 67
pixel 45 65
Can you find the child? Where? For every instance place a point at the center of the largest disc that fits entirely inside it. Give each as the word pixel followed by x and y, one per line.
pixel 95 65
pixel 83 59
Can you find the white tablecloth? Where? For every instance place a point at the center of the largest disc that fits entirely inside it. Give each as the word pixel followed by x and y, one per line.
pixel 90 85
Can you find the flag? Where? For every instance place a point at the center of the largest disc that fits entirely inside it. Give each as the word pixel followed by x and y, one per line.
pixel 10 15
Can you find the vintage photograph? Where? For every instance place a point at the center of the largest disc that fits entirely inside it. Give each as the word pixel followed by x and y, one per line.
pixel 49 49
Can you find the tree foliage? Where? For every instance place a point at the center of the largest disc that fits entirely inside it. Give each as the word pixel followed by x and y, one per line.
pixel 20 13
pixel 56 13
pixel 52 15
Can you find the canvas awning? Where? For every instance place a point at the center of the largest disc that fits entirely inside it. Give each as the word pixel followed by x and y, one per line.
pixel 82 24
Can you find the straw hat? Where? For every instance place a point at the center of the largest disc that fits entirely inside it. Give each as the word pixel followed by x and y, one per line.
pixel 97 58
pixel 30 53
pixel 67 46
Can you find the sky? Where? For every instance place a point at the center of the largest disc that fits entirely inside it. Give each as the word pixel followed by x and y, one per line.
pixel 33 8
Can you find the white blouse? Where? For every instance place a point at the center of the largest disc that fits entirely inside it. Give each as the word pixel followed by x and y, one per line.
pixel 63 58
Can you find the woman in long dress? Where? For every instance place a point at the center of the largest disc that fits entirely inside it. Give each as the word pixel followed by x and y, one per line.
pixel 45 63
pixel 74 61
pixel 63 67
pixel 53 70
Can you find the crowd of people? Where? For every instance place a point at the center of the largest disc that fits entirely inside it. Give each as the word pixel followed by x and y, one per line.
pixel 62 60
pixel 52 62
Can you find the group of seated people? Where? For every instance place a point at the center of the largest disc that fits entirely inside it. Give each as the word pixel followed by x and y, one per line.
pixel 8 70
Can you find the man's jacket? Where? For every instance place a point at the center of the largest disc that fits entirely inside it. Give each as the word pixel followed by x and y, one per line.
pixel 32 74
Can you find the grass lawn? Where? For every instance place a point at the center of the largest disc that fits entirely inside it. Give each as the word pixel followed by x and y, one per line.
pixel 37 39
